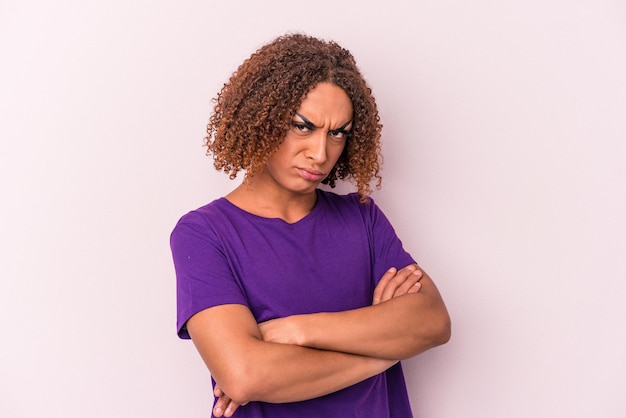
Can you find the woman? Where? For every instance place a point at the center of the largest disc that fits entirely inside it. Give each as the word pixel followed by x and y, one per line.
pixel 301 301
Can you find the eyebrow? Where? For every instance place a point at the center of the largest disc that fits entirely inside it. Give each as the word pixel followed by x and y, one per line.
pixel 311 125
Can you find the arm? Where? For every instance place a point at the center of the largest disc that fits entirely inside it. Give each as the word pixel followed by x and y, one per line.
pixel 397 328
pixel 245 367
pixel 249 369
pixel 393 284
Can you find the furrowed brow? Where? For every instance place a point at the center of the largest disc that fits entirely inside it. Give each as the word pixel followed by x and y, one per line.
pixel 307 122
pixel 311 125
pixel 343 127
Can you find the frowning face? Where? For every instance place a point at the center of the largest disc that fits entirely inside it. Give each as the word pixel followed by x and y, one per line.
pixel 314 142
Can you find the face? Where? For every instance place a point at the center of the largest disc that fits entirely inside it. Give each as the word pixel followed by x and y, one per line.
pixel 314 143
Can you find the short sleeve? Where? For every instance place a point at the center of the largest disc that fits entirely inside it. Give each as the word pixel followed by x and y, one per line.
pixel 387 248
pixel 203 275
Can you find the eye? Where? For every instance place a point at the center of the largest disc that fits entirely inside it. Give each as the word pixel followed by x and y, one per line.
pixel 339 134
pixel 301 127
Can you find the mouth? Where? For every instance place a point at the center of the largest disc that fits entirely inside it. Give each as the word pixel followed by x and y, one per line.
pixel 310 174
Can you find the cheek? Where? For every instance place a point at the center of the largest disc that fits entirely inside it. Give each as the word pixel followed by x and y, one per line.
pixel 281 157
pixel 288 147
pixel 336 151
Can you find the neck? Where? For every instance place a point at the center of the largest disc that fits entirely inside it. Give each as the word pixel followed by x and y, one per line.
pixel 271 203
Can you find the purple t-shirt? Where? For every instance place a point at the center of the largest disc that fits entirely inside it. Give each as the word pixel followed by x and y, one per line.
pixel 329 261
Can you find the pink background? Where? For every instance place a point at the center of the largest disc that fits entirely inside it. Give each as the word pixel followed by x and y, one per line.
pixel 505 150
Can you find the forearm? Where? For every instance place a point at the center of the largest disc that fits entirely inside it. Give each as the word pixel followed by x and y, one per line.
pixel 280 373
pixel 396 329
pixel 383 331
pixel 247 368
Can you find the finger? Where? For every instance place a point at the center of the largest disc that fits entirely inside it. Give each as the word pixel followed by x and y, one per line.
pixel 393 285
pixel 415 288
pixel 380 287
pixel 410 282
pixel 220 405
pixel 231 408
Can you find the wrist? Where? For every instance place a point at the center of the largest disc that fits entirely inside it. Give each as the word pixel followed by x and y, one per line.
pixel 310 329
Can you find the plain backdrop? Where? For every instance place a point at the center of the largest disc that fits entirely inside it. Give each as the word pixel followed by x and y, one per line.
pixel 504 174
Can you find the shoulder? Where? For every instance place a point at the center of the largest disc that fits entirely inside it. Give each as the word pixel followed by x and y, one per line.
pixel 349 200
pixel 201 221
pixel 350 207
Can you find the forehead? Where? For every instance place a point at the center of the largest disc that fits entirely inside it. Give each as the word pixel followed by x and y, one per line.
pixel 324 101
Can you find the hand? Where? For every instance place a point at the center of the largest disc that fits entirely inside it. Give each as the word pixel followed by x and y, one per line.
pixel 396 283
pixel 282 330
pixel 224 406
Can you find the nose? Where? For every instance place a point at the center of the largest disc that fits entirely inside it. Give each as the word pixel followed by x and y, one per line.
pixel 316 148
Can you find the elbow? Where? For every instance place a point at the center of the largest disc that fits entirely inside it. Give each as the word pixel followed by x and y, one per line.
pixel 441 331
pixel 235 389
pixel 240 384
pixel 436 333
pixel 444 331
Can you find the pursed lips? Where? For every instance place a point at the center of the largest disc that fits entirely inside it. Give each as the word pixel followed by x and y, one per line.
pixel 311 174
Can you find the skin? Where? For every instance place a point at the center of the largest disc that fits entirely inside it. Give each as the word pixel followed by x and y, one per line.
pixel 286 187
pixel 394 283
pixel 292 361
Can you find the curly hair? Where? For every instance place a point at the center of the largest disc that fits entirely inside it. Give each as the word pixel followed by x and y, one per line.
pixel 254 109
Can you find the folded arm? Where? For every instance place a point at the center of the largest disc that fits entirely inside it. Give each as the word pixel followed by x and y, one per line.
pixel 392 328
pixel 328 352
pixel 249 369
